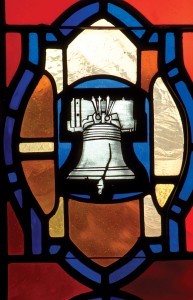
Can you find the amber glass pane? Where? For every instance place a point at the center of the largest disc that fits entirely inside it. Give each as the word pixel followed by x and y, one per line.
pixel 41 180
pixel 104 232
pixel 38 117
pixel 148 67
pixel 163 191
pixel 56 223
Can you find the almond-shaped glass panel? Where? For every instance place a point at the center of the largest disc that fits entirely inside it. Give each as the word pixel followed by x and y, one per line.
pixel 54 65
pixel 38 116
pixel 102 51
pixel 168 132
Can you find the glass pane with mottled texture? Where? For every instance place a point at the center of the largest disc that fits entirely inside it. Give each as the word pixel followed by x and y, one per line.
pixel 54 65
pixel 40 176
pixel 36 147
pixel 104 232
pixel 114 54
pixel 163 191
pixel 56 223
pixel 38 116
pixel 152 219
pixel 168 132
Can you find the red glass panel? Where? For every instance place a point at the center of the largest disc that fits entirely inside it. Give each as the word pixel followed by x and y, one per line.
pixel 187 52
pixel 157 12
pixel 35 11
pixel 189 231
pixel 15 233
pixel 148 67
pixel 167 280
pixel 13 54
pixel 45 281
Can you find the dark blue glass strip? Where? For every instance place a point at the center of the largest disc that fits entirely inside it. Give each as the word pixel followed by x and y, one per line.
pixel 123 196
pixel 9 125
pixel 176 209
pixel 127 269
pixel 139 33
pixel 63 148
pixel 36 230
pixel 54 249
pixel 173 72
pixel 142 150
pixel 79 16
pixel 156 248
pixel 101 83
pixel 154 38
pixel 170 47
pixel 188 186
pixel 19 197
pixel 82 268
pixel 12 177
pixel 81 196
pixel 20 90
pixel 187 100
pixel 123 16
pixel 174 236
pixel 50 37
pixel 33 48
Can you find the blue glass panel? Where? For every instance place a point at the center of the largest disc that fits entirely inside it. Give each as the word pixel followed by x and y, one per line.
pixel 140 254
pixel 101 83
pixel 174 236
pixel 123 196
pixel 138 33
pixel 63 148
pixel 173 72
pixel 170 47
pixel 54 249
pixel 19 197
pixel 188 186
pixel 81 268
pixel 81 196
pixel 142 150
pixel 128 268
pixel 187 100
pixel 123 16
pixel 12 177
pixel 33 48
pixel 176 209
pixel 36 230
pixel 79 16
pixel 154 38
pixel 50 37
pixel 9 125
pixel 20 90
pixel 156 248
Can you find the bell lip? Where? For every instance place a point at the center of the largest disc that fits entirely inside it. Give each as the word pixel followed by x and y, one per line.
pixel 115 191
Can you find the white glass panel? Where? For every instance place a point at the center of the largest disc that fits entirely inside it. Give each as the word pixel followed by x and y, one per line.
pixel 168 132
pixel 152 219
pixel 102 51
pixel 54 66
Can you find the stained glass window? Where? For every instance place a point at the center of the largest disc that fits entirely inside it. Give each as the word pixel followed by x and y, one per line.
pixel 96 156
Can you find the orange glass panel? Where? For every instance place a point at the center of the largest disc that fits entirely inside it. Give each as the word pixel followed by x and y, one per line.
pixel 148 67
pixel 40 177
pixel 104 232
pixel 38 117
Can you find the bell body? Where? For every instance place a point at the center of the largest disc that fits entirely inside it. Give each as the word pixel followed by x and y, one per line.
pixel 101 155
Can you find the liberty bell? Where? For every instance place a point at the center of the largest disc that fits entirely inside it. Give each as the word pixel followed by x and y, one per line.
pixel 102 169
